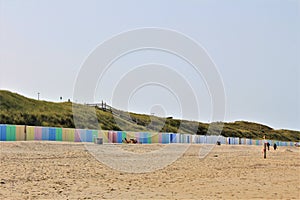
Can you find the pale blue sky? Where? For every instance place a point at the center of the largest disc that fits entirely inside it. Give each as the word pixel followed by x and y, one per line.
pixel 255 45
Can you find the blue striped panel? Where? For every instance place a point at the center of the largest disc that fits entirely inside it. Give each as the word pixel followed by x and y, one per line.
pixel 2 132
pixel 119 136
pixel 89 136
pixel 45 133
pixel 52 134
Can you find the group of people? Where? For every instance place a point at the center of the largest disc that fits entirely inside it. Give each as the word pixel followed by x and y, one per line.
pixel 134 141
pixel 274 146
pixel 130 141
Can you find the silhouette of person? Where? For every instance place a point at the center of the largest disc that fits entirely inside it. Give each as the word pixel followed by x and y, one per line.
pixel 275 146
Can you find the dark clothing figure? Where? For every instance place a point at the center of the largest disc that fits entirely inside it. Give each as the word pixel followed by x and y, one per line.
pixel 132 141
pixel 275 146
pixel 268 145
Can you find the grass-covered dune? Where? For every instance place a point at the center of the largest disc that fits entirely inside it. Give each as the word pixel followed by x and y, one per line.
pixel 17 109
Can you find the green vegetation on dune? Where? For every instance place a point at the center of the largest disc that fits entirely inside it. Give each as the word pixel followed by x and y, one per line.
pixel 17 109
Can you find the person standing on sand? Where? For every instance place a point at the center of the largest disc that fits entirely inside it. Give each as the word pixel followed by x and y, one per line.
pixel 268 145
pixel 275 146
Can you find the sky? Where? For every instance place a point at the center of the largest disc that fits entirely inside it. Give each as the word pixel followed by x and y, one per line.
pixel 254 45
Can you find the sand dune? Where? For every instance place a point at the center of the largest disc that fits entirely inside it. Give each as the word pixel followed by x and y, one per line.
pixel 58 170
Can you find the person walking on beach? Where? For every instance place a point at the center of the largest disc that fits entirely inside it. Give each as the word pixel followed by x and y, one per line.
pixel 275 146
pixel 268 145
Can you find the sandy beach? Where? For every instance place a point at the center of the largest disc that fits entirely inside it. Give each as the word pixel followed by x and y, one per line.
pixel 59 170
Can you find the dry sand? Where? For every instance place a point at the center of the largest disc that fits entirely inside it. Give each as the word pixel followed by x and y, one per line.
pixel 52 170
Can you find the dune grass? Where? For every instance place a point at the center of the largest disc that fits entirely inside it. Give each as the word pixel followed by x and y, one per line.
pixel 17 109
